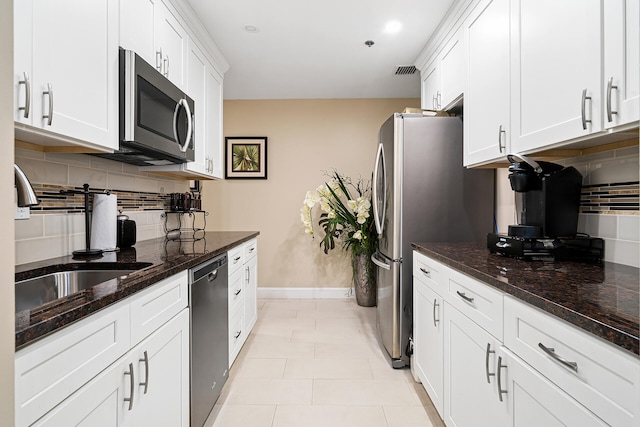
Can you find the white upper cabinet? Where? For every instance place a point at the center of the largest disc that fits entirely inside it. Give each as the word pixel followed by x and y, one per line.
pixel 555 71
pixel 486 99
pixel 213 127
pixel 151 30
pixel 66 72
pixel 443 78
pixel 621 79
pixel 431 87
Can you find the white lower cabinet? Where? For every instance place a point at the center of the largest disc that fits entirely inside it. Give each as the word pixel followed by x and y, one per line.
pixel 544 372
pixel 112 368
pixel 471 374
pixel 243 283
pixel 148 386
pixel 428 341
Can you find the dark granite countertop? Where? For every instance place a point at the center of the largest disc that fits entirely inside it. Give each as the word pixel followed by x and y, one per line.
pixel 167 257
pixel 602 299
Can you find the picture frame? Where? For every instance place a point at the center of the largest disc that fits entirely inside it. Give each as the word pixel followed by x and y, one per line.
pixel 245 157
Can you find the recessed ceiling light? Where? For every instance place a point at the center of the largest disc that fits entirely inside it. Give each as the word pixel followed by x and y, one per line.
pixel 251 29
pixel 393 27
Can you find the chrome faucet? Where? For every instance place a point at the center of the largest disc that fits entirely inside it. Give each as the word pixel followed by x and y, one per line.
pixel 26 195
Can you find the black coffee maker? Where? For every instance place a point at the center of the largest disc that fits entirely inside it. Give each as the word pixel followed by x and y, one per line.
pixel 547 197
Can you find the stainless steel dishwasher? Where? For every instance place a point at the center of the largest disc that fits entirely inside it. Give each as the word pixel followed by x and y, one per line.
pixel 209 342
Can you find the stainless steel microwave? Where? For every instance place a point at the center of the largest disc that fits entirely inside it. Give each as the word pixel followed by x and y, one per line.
pixel 156 117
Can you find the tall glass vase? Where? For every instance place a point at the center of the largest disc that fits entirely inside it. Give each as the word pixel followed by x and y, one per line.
pixel 364 280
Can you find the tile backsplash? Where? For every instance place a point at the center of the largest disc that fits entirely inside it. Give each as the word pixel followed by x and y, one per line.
pixel 610 206
pixel 56 226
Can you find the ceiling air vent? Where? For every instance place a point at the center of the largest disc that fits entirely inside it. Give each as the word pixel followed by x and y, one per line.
pixel 403 70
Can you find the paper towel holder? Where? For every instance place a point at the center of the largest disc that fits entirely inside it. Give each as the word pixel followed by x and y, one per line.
pixel 87 252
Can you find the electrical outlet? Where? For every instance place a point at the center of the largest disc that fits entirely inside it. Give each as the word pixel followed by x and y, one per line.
pixel 22 213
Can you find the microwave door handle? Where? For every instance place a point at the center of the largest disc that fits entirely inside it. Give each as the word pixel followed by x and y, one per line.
pixel 183 104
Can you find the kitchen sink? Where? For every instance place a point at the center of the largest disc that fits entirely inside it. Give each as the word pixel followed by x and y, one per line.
pixel 40 290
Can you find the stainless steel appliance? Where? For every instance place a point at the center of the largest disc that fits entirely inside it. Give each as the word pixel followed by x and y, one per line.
pixel 547 206
pixel 156 117
pixel 421 192
pixel 209 331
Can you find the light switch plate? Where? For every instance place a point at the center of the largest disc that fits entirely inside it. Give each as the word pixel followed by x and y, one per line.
pixel 22 213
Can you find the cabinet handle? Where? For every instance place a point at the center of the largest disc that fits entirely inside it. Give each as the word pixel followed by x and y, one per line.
pixel 435 307
pixel 438 100
pixel 610 112
pixel 236 259
pixel 237 334
pixel 464 296
pixel 434 100
pixel 248 271
pixel 500 132
pixel 49 92
pixel 426 272
pixel 500 390
pixel 486 363
pixel 584 113
pixel 27 95
pixel 165 62
pixel 236 293
pixel 551 352
pixel 146 372
pixel 159 59
pixel 251 250
pixel 131 386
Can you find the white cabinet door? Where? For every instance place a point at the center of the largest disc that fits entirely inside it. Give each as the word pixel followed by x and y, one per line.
pixel 534 401
pixel 470 365
pixel 431 87
pixel 452 72
pixel 250 296
pixel 621 62
pixel 137 28
pixel 555 71
pixel 100 403
pixel 197 68
pixel 161 366
pixel 428 342
pixel 73 50
pixel 213 127
pixel 171 42
pixel 486 98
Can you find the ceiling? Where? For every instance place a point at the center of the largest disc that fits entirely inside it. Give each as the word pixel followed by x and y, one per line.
pixel 308 49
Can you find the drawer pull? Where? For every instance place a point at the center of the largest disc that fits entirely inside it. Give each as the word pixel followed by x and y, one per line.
pixel 435 308
pixel 486 363
pixel 238 334
pixel 464 296
pixel 551 352
pixel 500 390
pixel 251 250
pixel 236 293
pixel 131 386
pixel 426 272
pixel 236 259
pixel 146 372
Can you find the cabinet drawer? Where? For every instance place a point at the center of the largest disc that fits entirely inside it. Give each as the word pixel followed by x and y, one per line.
pixel 236 258
pixel 250 249
pixel 478 301
pixel 430 272
pixel 48 371
pixel 236 334
pixel 157 304
pixel 605 379
pixel 236 290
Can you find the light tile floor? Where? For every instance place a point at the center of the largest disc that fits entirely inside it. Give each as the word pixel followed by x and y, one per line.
pixel 314 363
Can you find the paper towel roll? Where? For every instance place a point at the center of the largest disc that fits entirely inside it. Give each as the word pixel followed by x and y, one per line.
pixel 104 222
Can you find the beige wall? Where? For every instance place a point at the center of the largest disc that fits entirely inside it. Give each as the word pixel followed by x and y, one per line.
pixel 305 138
pixel 7 298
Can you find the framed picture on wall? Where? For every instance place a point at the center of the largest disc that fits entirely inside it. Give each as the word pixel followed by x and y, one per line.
pixel 246 157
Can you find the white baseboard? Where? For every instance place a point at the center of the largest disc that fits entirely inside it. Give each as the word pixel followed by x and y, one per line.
pixel 305 293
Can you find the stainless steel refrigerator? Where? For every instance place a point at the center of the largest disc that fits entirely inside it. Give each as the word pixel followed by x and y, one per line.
pixel 421 193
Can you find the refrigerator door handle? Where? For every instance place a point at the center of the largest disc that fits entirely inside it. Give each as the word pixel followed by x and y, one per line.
pixel 379 263
pixel 377 215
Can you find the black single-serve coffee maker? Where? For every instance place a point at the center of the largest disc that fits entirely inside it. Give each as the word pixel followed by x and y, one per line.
pixel 547 199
